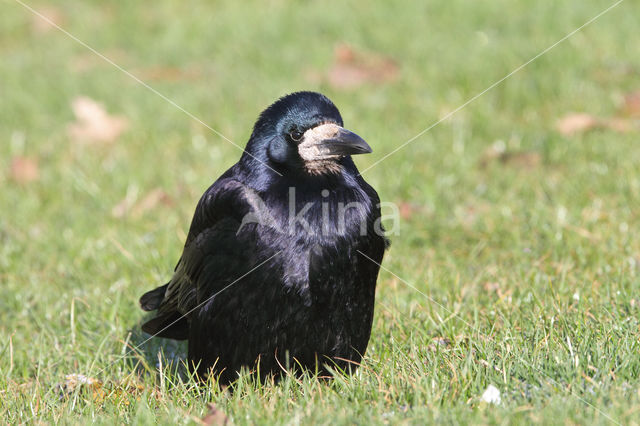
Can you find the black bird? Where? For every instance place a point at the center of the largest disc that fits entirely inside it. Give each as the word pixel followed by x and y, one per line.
pixel 280 264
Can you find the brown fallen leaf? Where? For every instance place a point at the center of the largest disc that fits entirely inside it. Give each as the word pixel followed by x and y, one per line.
pixel 524 159
pixel 93 124
pixel 123 391
pixel 351 69
pixel 313 76
pixel 574 123
pixel 130 204
pixel 631 106
pixel 45 19
pixel 154 198
pixel 24 169
pixel 344 53
pixel 214 417
pixel 521 159
pixel 620 125
pixel 491 286
pixel 166 73
pixel 86 61
pixel 406 210
pixel 492 153
pixel 81 383
pixel 122 208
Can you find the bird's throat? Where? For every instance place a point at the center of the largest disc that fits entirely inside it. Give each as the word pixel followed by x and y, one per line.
pixel 322 167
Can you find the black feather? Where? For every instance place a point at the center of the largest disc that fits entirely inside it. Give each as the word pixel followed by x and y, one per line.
pixel 151 300
pixel 172 325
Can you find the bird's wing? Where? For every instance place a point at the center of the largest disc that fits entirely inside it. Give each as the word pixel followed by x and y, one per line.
pixel 374 230
pixel 367 256
pixel 207 261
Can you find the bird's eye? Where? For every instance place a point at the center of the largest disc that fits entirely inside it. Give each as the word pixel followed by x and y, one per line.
pixel 295 135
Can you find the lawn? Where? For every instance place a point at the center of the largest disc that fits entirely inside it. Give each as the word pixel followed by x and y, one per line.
pixel 516 263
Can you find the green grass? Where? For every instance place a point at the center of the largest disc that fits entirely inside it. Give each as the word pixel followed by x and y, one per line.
pixel 532 273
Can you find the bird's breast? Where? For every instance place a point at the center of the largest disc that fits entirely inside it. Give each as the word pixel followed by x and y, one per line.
pixel 317 216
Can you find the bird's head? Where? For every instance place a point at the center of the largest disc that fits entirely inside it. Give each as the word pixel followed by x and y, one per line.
pixel 302 133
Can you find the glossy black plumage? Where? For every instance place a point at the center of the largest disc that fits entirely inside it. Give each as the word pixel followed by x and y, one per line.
pixel 310 299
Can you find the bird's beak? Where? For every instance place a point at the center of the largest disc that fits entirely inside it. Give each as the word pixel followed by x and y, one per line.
pixel 330 140
pixel 343 143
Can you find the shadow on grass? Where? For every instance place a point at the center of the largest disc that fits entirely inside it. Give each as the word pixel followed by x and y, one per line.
pixel 147 353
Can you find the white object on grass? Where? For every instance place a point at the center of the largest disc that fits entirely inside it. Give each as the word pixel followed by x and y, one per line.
pixel 491 395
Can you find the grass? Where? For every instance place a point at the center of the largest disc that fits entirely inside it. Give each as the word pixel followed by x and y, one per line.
pixel 528 273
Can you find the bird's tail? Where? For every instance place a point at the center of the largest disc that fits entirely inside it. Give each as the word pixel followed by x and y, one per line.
pixel 171 325
pixel 151 300
pixel 168 323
